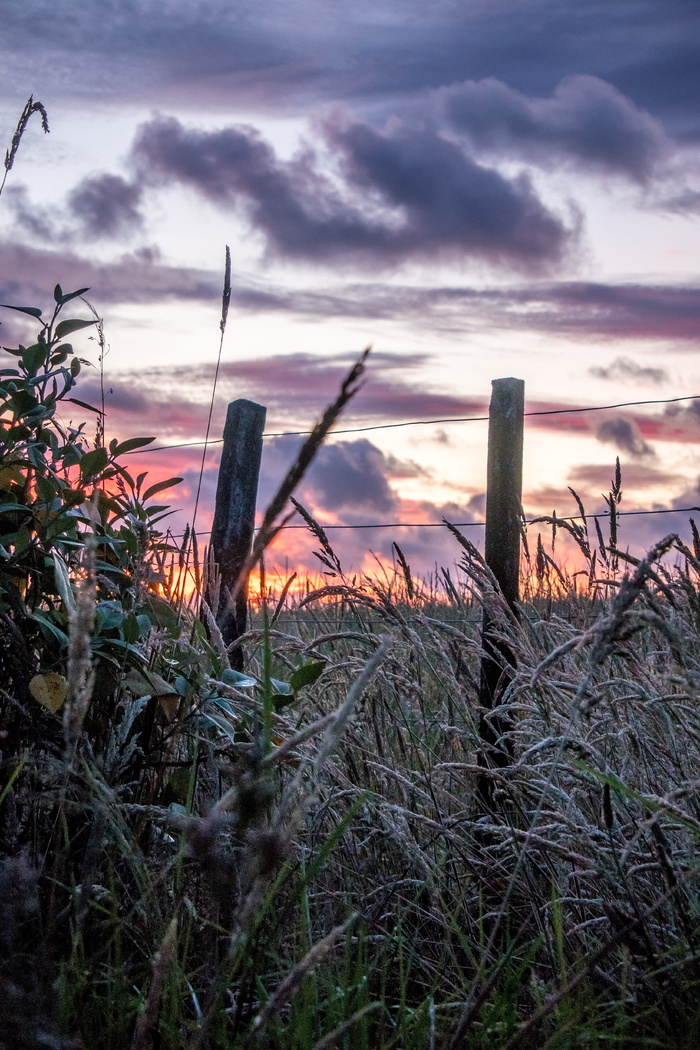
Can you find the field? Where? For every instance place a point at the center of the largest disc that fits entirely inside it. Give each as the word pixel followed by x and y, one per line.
pixel 320 857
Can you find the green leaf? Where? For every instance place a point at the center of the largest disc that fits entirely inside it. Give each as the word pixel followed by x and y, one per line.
pixel 282 688
pixel 60 571
pixel 237 678
pixel 62 355
pixel 129 445
pixel 31 310
pixel 131 629
pixel 77 401
pixel 64 328
pixel 160 612
pixel 280 700
pixel 23 401
pixel 159 487
pixel 209 719
pixel 58 293
pixel 181 685
pixel 307 674
pixel 48 627
pixel 111 616
pixel 126 475
pixel 67 296
pixel 33 357
pixel 93 462
pixel 70 455
pixel 46 488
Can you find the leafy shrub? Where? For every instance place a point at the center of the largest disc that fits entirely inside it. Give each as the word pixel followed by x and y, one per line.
pixel 57 489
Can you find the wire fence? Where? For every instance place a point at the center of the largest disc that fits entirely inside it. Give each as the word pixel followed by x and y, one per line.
pixel 461 419
pixel 429 422
pixel 598 515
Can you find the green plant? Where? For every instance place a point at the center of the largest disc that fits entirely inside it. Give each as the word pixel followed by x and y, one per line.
pixel 57 488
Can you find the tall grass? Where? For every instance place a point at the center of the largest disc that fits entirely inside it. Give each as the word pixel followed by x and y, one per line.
pixel 314 868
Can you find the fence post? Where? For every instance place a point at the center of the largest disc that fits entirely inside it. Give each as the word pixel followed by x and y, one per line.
pixel 234 515
pixel 503 524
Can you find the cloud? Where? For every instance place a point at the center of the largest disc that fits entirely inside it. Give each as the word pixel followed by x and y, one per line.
pixel 32 218
pixel 282 57
pixel 348 479
pixel 674 423
pixel 106 206
pixel 352 476
pixel 683 200
pixel 28 275
pixel 295 389
pixel 621 310
pixel 405 193
pixel 624 434
pixel 634 476
pixel 587 122
pixel 624 368
pixel 100 207
pixel 120 398
pixel 579 309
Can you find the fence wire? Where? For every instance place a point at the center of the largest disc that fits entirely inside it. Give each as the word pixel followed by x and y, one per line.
pixel 430 422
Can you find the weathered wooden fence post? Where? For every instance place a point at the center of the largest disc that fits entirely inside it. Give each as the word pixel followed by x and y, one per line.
pixel 234 515
pixel 503 524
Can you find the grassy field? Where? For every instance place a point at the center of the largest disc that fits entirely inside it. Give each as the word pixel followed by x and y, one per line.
pixel 310 860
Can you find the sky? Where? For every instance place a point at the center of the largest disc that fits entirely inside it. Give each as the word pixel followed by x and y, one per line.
pixel 476 189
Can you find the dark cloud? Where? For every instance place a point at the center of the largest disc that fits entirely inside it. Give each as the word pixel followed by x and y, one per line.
pixel 408 194
pixel 349 484
pixel 106 206
pixel 683 202
pixel 352 476
pixel 571 308
pixel 297 387
pixel 350 479
pixel 582 309
pixel 28 276
pixel 100 207
pixel 120 398
pixel 403 468
pixel 624 368
pixel 624 434
pixel 31 218
pixel 286 56
pixel 674 423
pixel 586 122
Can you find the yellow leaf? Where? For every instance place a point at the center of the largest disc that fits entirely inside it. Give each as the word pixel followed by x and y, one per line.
pixel 49 689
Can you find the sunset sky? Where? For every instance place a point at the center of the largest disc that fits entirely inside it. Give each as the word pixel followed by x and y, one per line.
pixel 478 189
